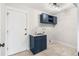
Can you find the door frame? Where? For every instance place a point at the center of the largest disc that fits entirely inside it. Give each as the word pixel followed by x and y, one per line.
pixel 6 29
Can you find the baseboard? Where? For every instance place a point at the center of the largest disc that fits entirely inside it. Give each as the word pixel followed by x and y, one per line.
pixel 66 44
pixel 28 48
pixel 17 53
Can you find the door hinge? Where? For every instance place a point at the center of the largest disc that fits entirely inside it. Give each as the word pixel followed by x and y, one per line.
pixel 7 48
pixel 7 31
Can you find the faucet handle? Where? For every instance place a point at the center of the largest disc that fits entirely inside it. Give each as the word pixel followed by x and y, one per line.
pixel 43 32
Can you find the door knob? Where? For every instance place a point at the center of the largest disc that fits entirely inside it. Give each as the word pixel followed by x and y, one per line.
pixel 25 33
pixel 2 45
pixel 25 29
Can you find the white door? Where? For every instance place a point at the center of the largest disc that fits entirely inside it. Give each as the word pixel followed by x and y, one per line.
pixel 17 27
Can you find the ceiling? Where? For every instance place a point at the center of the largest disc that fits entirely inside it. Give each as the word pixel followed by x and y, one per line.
pixel 43 6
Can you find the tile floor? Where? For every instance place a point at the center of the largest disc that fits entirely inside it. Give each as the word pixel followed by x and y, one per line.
pixel 54 49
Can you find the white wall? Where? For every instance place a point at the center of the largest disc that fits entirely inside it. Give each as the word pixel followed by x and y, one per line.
pixel 66 29
pixel 78 30
pixel 78 39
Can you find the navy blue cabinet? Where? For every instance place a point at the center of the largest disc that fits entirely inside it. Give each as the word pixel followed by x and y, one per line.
pixel 48 19
pixel 38 43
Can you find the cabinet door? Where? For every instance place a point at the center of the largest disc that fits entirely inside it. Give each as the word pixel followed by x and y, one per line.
pixel 31 42
pixel 36 46
pixel 44 42
pixel 39 44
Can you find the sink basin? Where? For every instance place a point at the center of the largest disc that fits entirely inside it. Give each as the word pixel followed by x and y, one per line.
pixel 38 34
